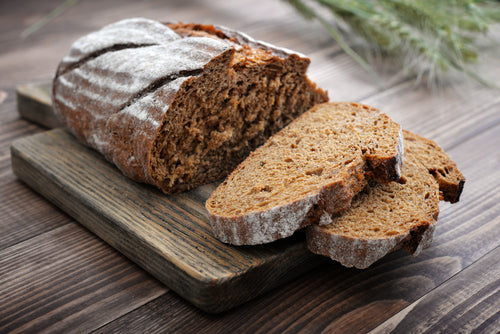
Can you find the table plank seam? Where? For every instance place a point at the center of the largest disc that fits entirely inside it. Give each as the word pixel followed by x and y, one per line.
pixel 408 308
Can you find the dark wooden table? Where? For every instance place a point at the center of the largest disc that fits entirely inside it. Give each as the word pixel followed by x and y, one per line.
pixel 55 276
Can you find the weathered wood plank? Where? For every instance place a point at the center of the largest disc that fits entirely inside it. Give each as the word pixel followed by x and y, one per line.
pixel 167 235
pixel 25 214
pixel 36 59
pixel 469 302
pixel 404 90
pixel 37 56
pixel 34 104
pixel 68 281
pixel 337 299
pixel 446 116
pixel 11 126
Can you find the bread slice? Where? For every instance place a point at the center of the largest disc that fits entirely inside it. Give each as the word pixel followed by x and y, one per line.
pixel 316 164
pixel 178 105
pixel 445 171
pixel 386 217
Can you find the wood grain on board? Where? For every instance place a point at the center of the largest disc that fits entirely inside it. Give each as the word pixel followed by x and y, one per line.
pixel 168 235
pixel 34 104
pixel 336 299
pixel 58 277
pixel 459 223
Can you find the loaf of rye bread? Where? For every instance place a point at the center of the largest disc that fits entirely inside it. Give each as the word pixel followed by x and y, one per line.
pixel 386 217
pixel 178 105
pixel 315 165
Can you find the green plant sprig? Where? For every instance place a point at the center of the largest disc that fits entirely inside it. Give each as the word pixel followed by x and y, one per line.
pixel 429 37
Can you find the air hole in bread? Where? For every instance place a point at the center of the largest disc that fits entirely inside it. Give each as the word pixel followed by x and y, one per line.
pixel 267 189
pixel 316 172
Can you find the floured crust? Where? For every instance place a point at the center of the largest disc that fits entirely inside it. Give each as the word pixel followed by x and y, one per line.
pixel 349 251
pixel 125 89
pixel 98 86
pixel 279 222
pixel 362 253
pixel 264 226
pixel 263 216
pixel 339 238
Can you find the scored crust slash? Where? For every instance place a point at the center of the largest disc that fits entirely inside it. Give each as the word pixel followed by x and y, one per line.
pixel 177 105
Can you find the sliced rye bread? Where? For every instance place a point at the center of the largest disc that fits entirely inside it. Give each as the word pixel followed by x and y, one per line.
pixel 445 171
pixel 316 164
pixel 386 217
pixel 178 105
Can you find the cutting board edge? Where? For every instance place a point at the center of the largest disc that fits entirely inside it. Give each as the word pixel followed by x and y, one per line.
pixel 205 292
pixel 35 105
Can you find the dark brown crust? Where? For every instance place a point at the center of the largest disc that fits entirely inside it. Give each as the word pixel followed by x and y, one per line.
pixel 362 252
pixel 386 170
pixel 416 237
pixel 451 181
pixel 350 252
pixel 338 196
pixel 247 230
pixel 262 226
pixel 237 37
pixel 244 39
pixel 103 109
pixel 452 193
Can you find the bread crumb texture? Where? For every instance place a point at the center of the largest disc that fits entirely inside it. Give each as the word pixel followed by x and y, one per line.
pixel 316 164
pixel 386 217
pixel 178 105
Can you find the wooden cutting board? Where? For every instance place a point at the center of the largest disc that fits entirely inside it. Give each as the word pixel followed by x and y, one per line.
pixel 167 235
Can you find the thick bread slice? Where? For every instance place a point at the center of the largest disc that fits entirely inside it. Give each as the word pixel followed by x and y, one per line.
pixel 316 164
pixel 178 105
pixel 385 217
pixel 445 171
